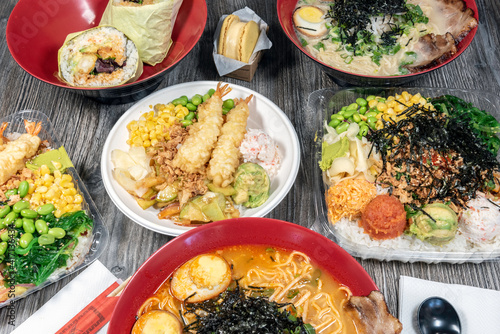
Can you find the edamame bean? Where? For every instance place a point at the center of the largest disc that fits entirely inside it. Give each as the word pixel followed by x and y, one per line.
pixel 371 114
pixel 24 188
pixel 3 247
pixel 45 209
pixel 189 116
pixel 343 108
pixel 372 121
pixel 349 113
pixel 11 192
pixel 190 106
pixel 25 240
pixel 2 224
pixel 206 97
pixel 338 116
pixel 28 226
pixel 370 97
pixel 363 110
pixel 57 232
pixel 356 117
pixel 363 130
pixel 211 91
pixel 4 211
pixel 46 239
pixel 185 122
pixel 184 99
pixel 28 213
pixel 361 102
pixel 41 226
pixel 229 104
pixel 20 205
pixel 180 101
pixel 352 106
pixel 342 127
pixel 197 99
pixel 10 218
pixel 4 236
pixel 334 123
pixel 225 111
pixel 18 223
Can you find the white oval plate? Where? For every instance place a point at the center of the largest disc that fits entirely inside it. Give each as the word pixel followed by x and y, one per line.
pixel 264 115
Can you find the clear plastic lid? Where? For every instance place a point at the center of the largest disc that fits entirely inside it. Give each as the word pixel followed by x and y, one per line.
pixel 321 105
pixel 100 234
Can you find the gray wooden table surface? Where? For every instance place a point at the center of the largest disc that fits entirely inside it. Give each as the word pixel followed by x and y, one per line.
pixel 286 77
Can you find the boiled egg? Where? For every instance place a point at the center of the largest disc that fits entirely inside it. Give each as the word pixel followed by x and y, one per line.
pixel 203 277
pixel 157 322
pixel 310 21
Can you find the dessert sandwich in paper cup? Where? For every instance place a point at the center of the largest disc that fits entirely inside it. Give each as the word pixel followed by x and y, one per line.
pixel 149 23
pixel 102 56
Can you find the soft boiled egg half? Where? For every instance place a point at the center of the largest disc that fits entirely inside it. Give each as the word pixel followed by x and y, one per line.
pixel 310 21
pixel 203 277
pixel 157 322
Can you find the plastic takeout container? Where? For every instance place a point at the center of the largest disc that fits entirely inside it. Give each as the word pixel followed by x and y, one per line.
pixel 321 105
pixel 100 234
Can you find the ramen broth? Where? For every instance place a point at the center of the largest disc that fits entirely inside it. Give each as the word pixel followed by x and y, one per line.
pixel 288 277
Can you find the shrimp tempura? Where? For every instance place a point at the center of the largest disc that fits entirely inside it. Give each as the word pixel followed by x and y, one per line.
pixel 226 155
pixel 15 153
pixel 197 148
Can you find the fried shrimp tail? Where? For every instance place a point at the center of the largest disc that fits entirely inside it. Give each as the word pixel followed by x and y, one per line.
pixel 15 152
pixel 195 152
pixel 3 140
pixel 226 155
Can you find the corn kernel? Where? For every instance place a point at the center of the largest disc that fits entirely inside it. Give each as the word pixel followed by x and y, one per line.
pixel 44 170
pixel 78 199
pixel 381 107
pixel 406 96
pixel 67 177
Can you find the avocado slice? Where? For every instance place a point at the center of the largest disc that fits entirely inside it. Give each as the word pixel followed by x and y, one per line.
pixel 226 191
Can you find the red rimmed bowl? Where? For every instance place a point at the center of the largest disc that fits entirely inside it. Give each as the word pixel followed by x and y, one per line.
pixel 36 30
pixel 239 231
pixel 285 11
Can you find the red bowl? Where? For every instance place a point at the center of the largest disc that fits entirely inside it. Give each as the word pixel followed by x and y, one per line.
pixel 285 12
pixel 239 231
pixel 37 29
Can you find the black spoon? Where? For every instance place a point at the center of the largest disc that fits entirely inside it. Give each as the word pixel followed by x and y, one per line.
pixel 437 316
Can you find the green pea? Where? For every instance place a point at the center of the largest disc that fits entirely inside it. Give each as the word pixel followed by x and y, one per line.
pixel 10 218
pixel 370 97
pixel 46 239
pixel 41 226
pixel 28 213
pixel 334 123
pixel 371 114
pixel 4 236
pixel 4 211
pixel 363 130
pixel 342 127
pixel 206 97
pixel 352 106
pixel 363 110
pixel 45 209
pixel 211 91
pixel 349 113
pixel 24 188
pixel 185 122
pixel 3 247
pixel 356 117
pixel 338 116
pixel 57 232
pixel 20 205
pixel 11 192
pixel 189 116
pixel 361 101
pixel 191 107
pixel 18 223
pixel 28 226
pixel 225 111
pixel 229 104
pixel 25 240
pixel 197 99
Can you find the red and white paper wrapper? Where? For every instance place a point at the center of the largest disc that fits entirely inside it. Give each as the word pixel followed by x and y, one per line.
pixel 84 305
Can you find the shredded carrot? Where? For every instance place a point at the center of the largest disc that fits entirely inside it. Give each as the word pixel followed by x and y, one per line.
pixel 349 198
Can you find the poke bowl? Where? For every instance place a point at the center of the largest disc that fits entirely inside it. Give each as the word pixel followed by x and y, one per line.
pixel 415 179
pixel 257 232
pixel 370 53
pixel 35 32
pixel 267 130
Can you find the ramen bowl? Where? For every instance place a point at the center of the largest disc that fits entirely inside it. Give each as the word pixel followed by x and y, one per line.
pixel 36 30
pixel 342 77
pixel 239 231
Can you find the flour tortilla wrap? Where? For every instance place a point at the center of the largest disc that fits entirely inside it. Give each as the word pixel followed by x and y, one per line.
pixel 77 58
pixel 149 26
